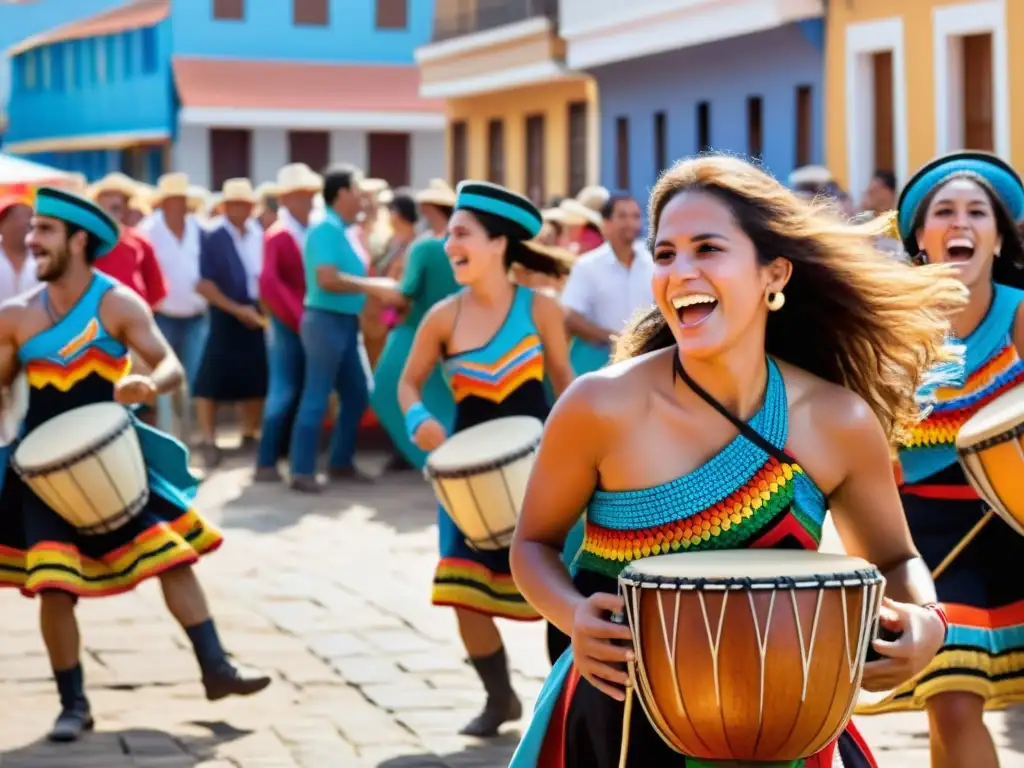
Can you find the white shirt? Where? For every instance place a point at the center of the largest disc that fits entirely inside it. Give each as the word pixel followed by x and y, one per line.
pixel 293 226
pixel 14 283
pixel 179 260
pixel 607 292
pixel 249 245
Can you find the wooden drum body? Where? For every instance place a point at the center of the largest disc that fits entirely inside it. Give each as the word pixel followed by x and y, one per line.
pixel 480 474
pixel 87 466
pixel 989 446
pixel 750 655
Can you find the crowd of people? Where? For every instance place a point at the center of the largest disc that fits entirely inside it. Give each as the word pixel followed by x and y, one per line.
pixel 756 362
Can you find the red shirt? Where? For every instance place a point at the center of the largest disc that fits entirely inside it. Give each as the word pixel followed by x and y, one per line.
pixel 283 279
pixel 133 262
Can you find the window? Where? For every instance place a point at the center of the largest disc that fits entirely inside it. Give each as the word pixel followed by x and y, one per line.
pixel 229 10
pixel 535 170
pixel 79 62
pixel 578 116
pixel 230 153
pixel 703 126
pixel 755 127
pixel 110 58
pixel 149 51
pixel 885 134
pixel 976 79
pixel 660 143
pixel 58 66
pixel 29 70
pixel 496 151
pixel 45 68
pixel 622 152
pixel 100 61
pixel 392 14
pixel 313 13
pixel 310 147
pixel 128 44
pixel 804 124
pixel 459 151
pixel 389 157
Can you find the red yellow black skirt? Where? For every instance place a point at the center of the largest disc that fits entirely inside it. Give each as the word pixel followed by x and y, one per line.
pixel 40 551
pixel 981 591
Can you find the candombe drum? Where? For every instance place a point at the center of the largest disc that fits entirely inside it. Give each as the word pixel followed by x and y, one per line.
pixel 749 655
pixel 480 474
pixel 87 466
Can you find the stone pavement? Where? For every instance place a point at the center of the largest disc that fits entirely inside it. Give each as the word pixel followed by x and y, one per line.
pixel 331 593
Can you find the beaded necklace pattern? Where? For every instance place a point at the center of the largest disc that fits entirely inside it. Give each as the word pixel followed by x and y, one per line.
pixel 991 367
pixel 741 498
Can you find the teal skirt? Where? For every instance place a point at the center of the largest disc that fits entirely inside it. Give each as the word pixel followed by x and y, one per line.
pixel 437 396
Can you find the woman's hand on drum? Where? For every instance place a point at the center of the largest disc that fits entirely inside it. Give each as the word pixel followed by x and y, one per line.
pixel 134 389
pixel 922 634
pixel 596 656
pixel 430 435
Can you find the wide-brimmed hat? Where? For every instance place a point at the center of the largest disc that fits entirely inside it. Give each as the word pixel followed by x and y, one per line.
pixel 594 196
pixel 238 191
pixel 80 211
pixel 577 214
pixel 374 186
pixel 298 177
pixel 170 185
pixel 115 182
pixel 438 192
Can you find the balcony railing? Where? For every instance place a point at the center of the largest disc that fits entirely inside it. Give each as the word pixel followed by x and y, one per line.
pixel 453 18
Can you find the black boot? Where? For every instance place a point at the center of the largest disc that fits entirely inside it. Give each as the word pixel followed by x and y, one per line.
pixel 75 717
pixel 221 676
pixel 502 705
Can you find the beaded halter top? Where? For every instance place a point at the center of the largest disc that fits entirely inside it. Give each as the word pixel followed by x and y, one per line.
pixel 991 367
pixel 743 497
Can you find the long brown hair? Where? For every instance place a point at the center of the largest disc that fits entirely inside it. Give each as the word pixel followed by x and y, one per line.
pixel 853 315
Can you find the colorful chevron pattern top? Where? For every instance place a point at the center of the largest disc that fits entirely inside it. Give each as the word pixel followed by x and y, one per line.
pixel 991 368
pixel 505 376
pixel 741 498
pixel 74 362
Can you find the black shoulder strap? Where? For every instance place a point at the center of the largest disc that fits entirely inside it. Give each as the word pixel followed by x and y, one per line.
pixel 744 429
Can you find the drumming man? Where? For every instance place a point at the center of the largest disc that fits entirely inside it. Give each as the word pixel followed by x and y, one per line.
pixel 72 337
pixel 960 209
pixel 692 442
pixel 495 339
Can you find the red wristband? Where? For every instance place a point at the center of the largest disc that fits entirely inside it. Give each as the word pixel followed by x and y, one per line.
pixel 939 611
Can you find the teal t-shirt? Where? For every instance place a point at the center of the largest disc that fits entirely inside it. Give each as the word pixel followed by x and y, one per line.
pixel 328 245
pixel 426 280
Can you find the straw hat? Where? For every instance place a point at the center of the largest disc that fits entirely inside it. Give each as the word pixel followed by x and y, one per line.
pixel 76 182
pixel 117 183
pixel 237 191
pixel 298 177
pixel 438 192
pixel 594 197
pixel 266 189
pixel 140 202
pixel 578 214
pixel 197 197
pixel 170 185
pixel 810 175
pixel 374 186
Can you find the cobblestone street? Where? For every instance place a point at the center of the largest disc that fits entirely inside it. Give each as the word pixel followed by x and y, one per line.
pixel 331 593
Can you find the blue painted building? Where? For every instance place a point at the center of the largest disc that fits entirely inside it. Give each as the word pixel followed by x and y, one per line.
pixel 223 88
pixel 743 77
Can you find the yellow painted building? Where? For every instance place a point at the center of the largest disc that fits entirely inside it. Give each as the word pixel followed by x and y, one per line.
pixel 515 114
pixel 911 79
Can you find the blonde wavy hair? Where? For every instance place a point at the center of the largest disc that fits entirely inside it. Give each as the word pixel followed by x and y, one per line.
pixel 853 315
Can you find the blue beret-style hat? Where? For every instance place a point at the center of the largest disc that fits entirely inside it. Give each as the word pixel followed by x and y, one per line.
pixel 999 175
pixel 490 198
pixel 79 211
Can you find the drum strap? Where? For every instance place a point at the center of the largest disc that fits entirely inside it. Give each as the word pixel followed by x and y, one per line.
pixel 744 429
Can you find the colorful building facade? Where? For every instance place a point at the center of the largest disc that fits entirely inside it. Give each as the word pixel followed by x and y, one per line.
pixel 743 77
pixel 225 88
pixel 907 81
pixel 517 115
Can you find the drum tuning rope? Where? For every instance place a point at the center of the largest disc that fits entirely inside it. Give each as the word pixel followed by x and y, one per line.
pixel 967 539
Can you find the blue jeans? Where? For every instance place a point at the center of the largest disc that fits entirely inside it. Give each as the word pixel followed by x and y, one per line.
pixel 334 360
pixel 187 337
pixel 286 362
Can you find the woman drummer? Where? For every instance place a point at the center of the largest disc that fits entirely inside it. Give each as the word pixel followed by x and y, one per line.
pixel 496 341
pixel 960 209
pixel 812 344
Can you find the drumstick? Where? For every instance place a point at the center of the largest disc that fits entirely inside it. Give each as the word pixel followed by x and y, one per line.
pixel 963 543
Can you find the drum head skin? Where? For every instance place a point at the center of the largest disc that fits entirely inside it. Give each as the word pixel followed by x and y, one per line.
pixel 12 416
pixel 1001 415
pixel 769 566
pixel 70 434
pixel 485 444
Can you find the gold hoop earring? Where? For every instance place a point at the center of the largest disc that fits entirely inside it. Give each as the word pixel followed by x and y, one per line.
pixel 775 300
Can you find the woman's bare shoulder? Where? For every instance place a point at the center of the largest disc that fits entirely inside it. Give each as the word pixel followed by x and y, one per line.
pixel 828 404
pixel 616 391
